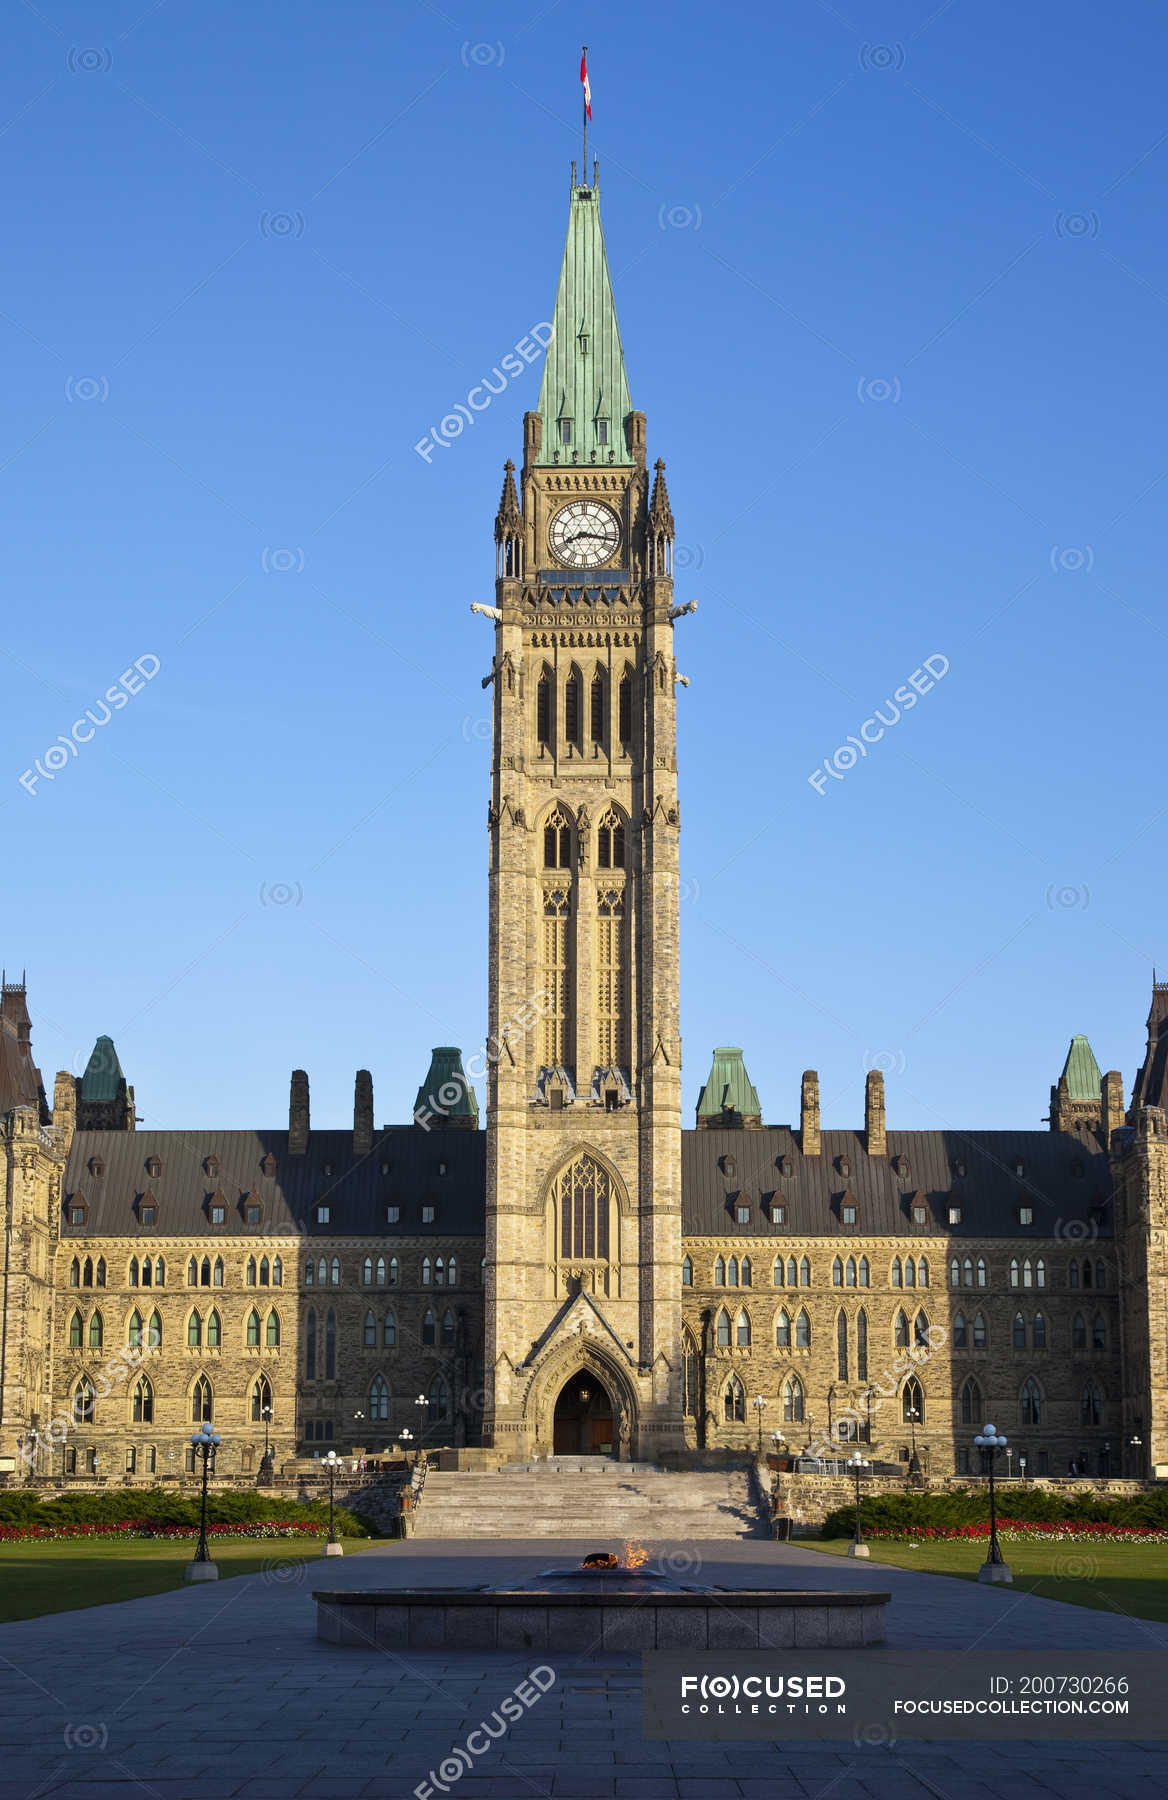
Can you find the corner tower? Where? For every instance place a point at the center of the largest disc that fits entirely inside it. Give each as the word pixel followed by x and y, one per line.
pixel 584 1125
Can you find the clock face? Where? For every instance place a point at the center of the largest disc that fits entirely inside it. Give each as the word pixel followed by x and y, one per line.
pixel 585 534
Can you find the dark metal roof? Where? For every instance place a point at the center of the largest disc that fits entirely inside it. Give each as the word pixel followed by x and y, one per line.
pixel 20 1079
pixel 197 1165
pixel 974 1170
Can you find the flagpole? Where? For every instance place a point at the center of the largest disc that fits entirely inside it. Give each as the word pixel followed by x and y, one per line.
pixel 584 104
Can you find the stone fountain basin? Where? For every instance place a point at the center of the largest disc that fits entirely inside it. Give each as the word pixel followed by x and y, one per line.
pixel 589 1611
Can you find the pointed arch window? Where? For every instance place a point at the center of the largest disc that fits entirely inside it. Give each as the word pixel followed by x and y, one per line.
pixel 87 1273
pixel 1030 1403
pixel 900 1330
pixel 253 1330
pixel 792 1400
pixel 1014 1272
pixel 1090 1405
pixel 133 1271
pixel 75 1273
pixel 277 1272
pixel 912 1402
pixel 861 1345
pixel 330 1346
pixel 448 1329
pixel 921 1331
pixel 1040 1273
pixel 777 1272
pixel 1027 1273
pixel 367 1272
pixel 783 1330
pixel 322 1272
pixel 272 1330
pixel 438 1405
pixel 100 1282
pixel 804 1273
pixel 955 1272
pixel 1073 1272
pixel 265 1272
pixel 389 1331
pixel 75 1327
pixel 803 1331
pixel 792 1272
pixel 1039 1331
pixel 261 1400
pixel 379 1398
pixel 596 709
pixel 960 1331
pixel 335 1271
pixel 310 1347
pixel 625 709
pixel 742 1330
pixel 734 1402
pixel 572 696
pixel 202 1401
pixel 864 1272
pixel 543 707
pixel 967 1272
pixel 427 1272
pixel 583 1193
pixel 370 1332
pixel 309 1272
pixel 850 1272
pixel 1019 1332
pixel 610 840
pixel 251 1271
pixel 723 1329
pixel 686 1272
pixel 971 1403
pixel 135 1337
pixel 154 1331
pixel 394 1272
pixel 1078 1332
pixel 429 1327
pixel 214 1330
pixel 896 1272
pixel 1098 1333
pixel 979 1331
pixel 194 1332
pixel 841 1345
pixel 557 840
pixel 732 1272
pixel 746 1272
pixel 923 1271
pixel 690 1358
pixel 84 1402
pixel 720 1271
pixel 381 1271
pixel 910 1272
pixel 96 1332
pixel 143 1404
pixel 981 1271
pixel 837 1272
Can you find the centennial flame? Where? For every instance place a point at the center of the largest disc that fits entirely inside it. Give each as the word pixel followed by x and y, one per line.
pixel 635 1555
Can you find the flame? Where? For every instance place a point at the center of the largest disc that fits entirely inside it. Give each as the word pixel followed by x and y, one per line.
pixel 635 1555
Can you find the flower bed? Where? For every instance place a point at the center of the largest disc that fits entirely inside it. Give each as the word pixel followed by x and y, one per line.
pixel 1064 1531
pixel 153 1528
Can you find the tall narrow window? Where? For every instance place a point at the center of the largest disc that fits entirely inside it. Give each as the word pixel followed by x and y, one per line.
pixel 971 1403
pixel 841 1345
pixel 557 978
pixel 310 1347
pixel 370 1337
pixel 734 1402
pixel 272 1330
pixel 75 1332
pixel 596 710
pixel 912 1402
pixel 96 1331
pixel 194 1332
pixel 154 1331
pixel 389 1331
pixel 783 1330
pixel 803 1331
pixel 202 1401
pixel 625 710
pixel 572 719
pixel 792 1400
pixel 612 1043
pixel 330 1346
pixel 1030 1403
pixel 261 1400
pixel 214 1330
pixel 610 841
pixel 143 1409
pixel 543 708
pixel 861 1345
pixel 686 1273
pixel 379 1398
pixel 253 1330
pixel 690 1354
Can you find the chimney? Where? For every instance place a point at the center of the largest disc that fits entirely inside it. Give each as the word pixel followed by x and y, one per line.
pixel 809 1114
pixel 877 1143
pixel 363 1113
pixel 298 1114
pixel 65 1104
pixel 1113 1113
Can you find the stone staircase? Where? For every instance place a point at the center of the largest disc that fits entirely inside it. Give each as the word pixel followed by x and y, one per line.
pixel 591 1498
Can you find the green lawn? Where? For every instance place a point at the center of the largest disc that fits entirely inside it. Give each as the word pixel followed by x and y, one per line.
pixel 1118 1578
pixel 38 1578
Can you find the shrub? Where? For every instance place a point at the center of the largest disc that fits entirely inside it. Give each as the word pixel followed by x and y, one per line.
pixel 1035 1505
pixel 162 1506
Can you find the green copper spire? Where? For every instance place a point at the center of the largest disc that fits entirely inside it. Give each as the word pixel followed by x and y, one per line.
pixel 729 1096
pixel 584 385
pixel 103 1072
pixel 1081 1072
pixel 446 1097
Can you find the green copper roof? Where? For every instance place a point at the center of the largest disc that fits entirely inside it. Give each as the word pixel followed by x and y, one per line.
pixel 584 375
pixel 728 1088
pixel 1083 1076
pixel 446 1091
pixel 103 1072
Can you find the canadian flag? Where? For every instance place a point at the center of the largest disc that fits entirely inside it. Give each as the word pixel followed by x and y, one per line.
pixel 586 84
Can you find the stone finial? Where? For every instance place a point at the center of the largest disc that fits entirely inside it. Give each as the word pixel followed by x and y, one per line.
pixel 1113 1109
pixel 363 1113
pixel 298 1114
pixel 875 1139
pixel 809 1113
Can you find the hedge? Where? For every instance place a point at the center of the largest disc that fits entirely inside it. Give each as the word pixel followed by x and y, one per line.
pixel 162 1506
pixel 949 1511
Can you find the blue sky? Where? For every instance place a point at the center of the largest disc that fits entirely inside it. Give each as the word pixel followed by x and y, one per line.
pixel 893 294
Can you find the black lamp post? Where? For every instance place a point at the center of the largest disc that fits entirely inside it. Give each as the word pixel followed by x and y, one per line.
pixel 332 1463
pixel 421 1404
pixel 989 1441
pixel 267 1413
pixel 759 1405
pixel 914 1461
pixel 857 1464
pixel 1137 1444
pixel 205 1442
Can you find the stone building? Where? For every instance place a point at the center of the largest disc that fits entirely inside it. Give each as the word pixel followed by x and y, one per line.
pixel 583 1274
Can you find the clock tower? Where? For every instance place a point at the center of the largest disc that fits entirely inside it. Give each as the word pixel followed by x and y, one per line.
pixel 583 1275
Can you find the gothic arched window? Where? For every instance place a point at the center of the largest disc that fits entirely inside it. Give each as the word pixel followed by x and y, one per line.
pixel 1030 1403
pixel 1090 1405
pixel 850 1272
pixel 572 696
pixel 429 1327
pixel 723 1329
pixel 1019 1332
pixel 900 1330
pixel 389 1331
pixel 1078 1332
pixel 261 1400
pixel 143 1406
pixel 841 1345
pixel 379 1398
pixel 272 1330
pixel 543 707
pixel 742 1330
pixel 792 1400
pixel 912 1401
pixel 253 1330
pixel 330 1346
pixel 804 1273
pixel 861 1345
pixel 921 1331
pixel 96 1332
pixel 746 1271
pixel 194 1332
pixel 837 1272
pixel 596 709
pixel 1039 1332
pixel 75 1332
pixel 923 1272
pixel 370 1336
pixel 734 1402
pixel 979 1331
pixel 690 1355
pixel 214 1330
pixel 863 1271
pixel 610 841
pixel 557 840
pixel 686 1272
pixel 803 1331
pixel 202 1401
pixel 1098 1333
pixel 438 1406
pixel 896 1272
pixel 83 1402
pixel 732 1272
pixel 783 1330
pixel 251 1271
pixel 582 1193
pixel 625 709
pixel 310 1347
pixel 971 1403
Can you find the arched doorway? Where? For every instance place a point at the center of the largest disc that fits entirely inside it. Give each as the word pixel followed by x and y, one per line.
pixel 584 1422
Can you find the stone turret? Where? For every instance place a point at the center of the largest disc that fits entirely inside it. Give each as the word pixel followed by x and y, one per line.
pixel 729 1099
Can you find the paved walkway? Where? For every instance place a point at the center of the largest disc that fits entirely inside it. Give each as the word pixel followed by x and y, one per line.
pixel 224 1691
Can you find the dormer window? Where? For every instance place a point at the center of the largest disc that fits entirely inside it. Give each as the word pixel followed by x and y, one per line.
pixel 268 1166
pixel 441 1168
pixel 211 1166
pixel 602 431
pixel 78 1211
pixel 843 1165
pixel 385 1168
pixel 565 431
pixel 1025 1215
pixel 848 1213
pixel 1019 1167
pixel 253 1212
pixel 920 1213
pixel 742 1215
pixel 959 1166
pixel 153 1167
pixel 784 1165
pixel 393 1215
pixel 902 1168
pixel 728 1166
pixel 147 1211
pixel 582 340
pixel 96 1166
pixel 326 1168
pixel 429 1214
pixel 322 1215
pixel 954 1215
